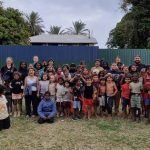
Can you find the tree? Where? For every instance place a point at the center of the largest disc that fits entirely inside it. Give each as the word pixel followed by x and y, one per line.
pixel 78 28
pixel 34 21
pixel 13 29
pixel 133 31
pixel 55 30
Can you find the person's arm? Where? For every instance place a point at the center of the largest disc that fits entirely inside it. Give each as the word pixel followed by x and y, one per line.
pixel 38 87
pixel 25 86
pixel 53 113
pixel 115 89
pixel 40 112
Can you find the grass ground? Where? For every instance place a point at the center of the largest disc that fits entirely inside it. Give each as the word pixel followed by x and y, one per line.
pixel 96 134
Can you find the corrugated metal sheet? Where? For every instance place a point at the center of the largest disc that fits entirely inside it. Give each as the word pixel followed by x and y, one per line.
pixel 126 55
pixel 61 54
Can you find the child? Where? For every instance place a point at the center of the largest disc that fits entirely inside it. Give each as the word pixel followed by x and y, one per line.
pixel 77 96
pixel 67 98
pixel 4 116
pixel 125 94
pixel 52 88
pixel 95 83
pixel 16 86
pixel 89 94
pixel 59 97
pixel 135 87
pixel 146 95
pixel 111 90
pixel 46 109
pixel 102 95
pixel 44 83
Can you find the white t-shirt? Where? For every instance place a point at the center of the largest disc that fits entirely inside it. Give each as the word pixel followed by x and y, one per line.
pixel 59 93
pixel 52 89
pixel 3 108
pixel 44 86
pixel 66 94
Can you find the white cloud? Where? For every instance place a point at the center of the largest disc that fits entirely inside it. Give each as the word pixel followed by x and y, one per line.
pixel 100 15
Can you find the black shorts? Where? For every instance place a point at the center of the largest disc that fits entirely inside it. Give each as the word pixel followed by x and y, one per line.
pixel 66 104
pixel 5 123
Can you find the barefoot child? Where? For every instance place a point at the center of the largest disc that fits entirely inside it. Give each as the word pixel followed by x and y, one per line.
pixel 111 90
pixel 136 88
pixel 16 86
pixel 125 94
pixel 4 116
pixel 77 96
pixel 89 94
pixel 59 97
pixel 67 98
pixel 102 95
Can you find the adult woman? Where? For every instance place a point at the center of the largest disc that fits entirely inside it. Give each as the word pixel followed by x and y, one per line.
pixel 31 90
pixel 7 75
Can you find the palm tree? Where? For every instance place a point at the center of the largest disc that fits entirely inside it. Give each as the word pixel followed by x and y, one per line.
pixel 55 30
pixel 34 21
pixel 78 28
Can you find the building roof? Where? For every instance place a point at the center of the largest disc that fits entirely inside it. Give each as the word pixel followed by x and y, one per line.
pixel 64 38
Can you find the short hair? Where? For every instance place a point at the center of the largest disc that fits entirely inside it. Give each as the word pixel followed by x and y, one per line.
pixel 47 92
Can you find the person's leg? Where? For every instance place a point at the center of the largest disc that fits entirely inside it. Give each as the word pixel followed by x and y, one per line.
pixel 34 103
pixel 1 125
pixel 139 114
pixel 51 120
pixel 9 104
pixel 15 107
pixel 19 106
pixel 117 102
pixel 110 105
pixel 148 113
pixel 28 105
pixel 41 121
pixel 6 123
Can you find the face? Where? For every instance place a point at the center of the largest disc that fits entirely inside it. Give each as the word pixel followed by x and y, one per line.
pixel 137 59
pixel 44 63
pixel 118 60
pixel 52 78
pixel 31 72
pixel 45 77
pixel 135 79
pixel 89 81
pixel 60 81
pixel 148 71
pixel 9 61
pixel 47 96
pixel 38 66
pixel 85 71
pixel 127 80
pixel 102 82
pixel 59 70
pixel 109 79
pixel 16 76
pixel 51 63
pixel 66 84
pixel 114 66
pixel 133 68
pixel 95 78
pixel 78 83
pixel 50 68
pixel 125 70
pixel 97 64
pixel 23 65
pixel 35 59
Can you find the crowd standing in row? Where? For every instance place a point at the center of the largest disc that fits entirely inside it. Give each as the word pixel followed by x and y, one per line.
pixel 73 90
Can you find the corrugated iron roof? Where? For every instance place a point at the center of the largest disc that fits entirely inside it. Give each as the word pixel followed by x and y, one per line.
pixel 64 38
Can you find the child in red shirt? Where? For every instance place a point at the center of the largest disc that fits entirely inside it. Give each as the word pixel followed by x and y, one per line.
pixel 125 94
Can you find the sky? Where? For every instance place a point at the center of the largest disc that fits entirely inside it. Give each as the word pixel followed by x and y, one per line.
pixel 100 16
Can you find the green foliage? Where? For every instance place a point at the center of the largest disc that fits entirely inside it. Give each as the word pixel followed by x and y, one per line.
pixel 34 22
pixel 79 28
pixel 13 29
pixel 133 31
pixel 55 30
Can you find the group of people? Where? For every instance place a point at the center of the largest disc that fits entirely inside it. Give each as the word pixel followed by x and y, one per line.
pixel 74 90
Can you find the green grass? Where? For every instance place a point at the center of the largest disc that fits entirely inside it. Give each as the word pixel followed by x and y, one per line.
pixel 96 134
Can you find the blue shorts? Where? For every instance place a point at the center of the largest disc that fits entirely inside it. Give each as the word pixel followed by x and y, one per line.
pixel 76 105
pixel 147 101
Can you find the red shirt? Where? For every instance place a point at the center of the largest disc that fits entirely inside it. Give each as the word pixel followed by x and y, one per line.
pixel 125 91
pixel 146 87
